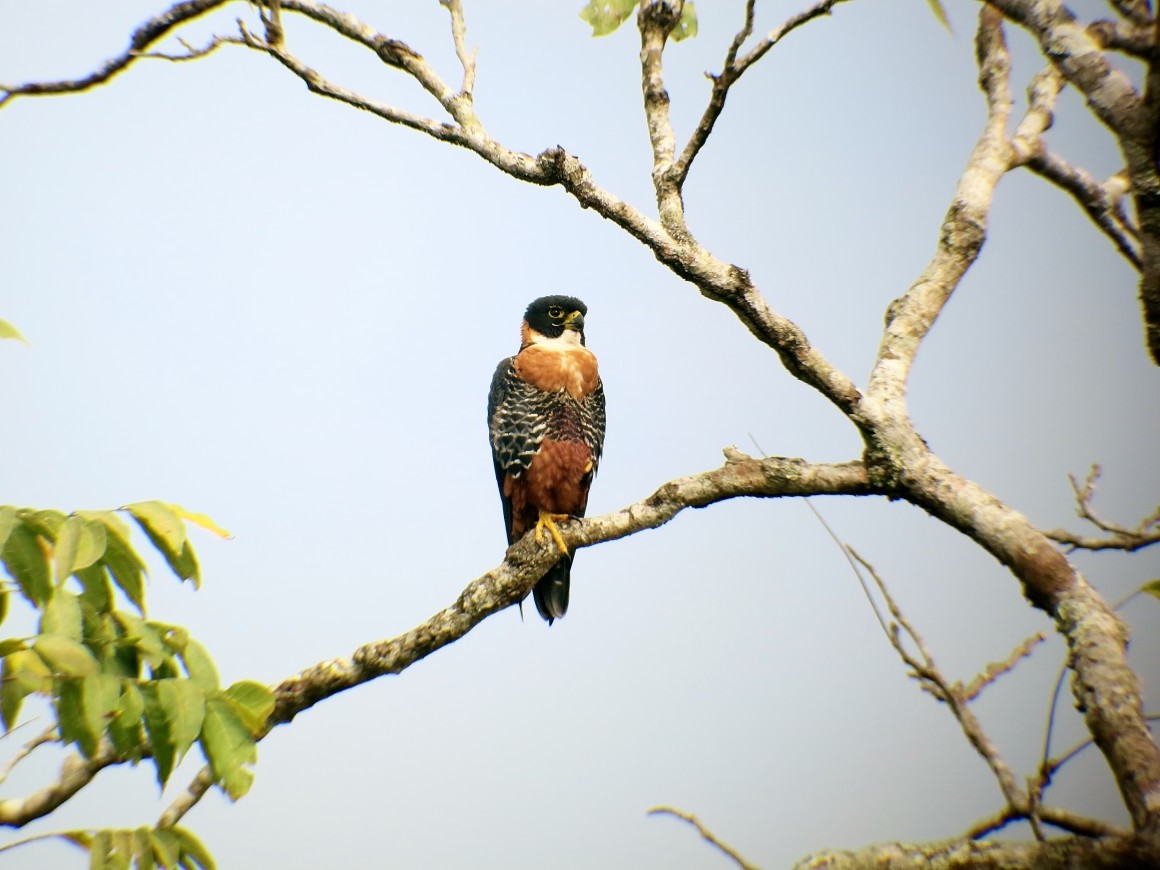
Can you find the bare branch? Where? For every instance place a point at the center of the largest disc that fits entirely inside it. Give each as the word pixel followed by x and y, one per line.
pixel 910 317
pixel 270 11
pixel 1076 51
pixel 188 799
pixel 994 670
pixel 1123 36
pixel 75 773
pixel 932 680
pixel 705 833
pixel 46 736
pixel 1146 533
pixel 510 582
pixel 1054 816
pixel 656 21
pixel 1029 149
pixel 459 37
pixel 143 37
pixel 1137 11
pixel 1108 853
pixel 732 70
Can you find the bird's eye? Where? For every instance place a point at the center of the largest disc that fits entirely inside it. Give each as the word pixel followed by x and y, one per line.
pixel 555 312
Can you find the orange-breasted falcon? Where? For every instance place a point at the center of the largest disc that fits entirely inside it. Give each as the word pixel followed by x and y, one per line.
pixel 545 413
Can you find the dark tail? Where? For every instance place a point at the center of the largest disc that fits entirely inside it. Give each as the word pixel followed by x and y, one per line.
pixel 551 592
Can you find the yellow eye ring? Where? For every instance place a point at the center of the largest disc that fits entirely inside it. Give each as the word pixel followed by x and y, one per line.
pixel 555 312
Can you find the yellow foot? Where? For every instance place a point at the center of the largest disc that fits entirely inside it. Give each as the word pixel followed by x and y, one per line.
pixel 549 521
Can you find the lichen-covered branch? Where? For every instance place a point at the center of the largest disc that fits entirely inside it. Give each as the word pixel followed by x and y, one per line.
pixel 501 587
pixel 1077 52
pixel 1110 853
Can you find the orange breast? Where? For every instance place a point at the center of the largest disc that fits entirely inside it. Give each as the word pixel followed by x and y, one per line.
pixel 552 369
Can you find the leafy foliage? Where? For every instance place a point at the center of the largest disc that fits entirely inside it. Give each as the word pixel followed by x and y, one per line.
pixel 118 682
pixel 143 848
pixel 606 16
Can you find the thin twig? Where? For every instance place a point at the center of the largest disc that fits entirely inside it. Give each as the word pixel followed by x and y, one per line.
pixel 1054 816
pixel 732 69
pixel 47 736
pixel 932 680
pixel 1146 533
pixel 705 833
pixel 994 670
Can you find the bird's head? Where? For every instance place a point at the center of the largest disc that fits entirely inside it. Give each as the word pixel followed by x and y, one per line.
pixel 554 320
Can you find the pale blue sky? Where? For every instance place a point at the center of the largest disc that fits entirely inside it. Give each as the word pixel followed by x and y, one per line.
pixel 285 313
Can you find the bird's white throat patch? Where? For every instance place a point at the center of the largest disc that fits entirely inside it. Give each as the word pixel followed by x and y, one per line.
pixel 568 340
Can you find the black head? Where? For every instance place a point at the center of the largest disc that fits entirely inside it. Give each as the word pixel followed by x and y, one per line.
pixel 552 315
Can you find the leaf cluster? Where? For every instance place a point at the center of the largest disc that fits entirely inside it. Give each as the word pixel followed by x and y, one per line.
pixel 119 684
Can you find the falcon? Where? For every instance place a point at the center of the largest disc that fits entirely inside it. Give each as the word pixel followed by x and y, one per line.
pixel 545 415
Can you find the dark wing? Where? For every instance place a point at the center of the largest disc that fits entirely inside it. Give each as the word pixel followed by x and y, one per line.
pixel 593 423
pixel 517 419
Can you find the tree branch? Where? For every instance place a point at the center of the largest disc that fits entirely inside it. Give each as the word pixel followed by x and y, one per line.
pixel 1076 51
pixel 508 583
pixel 924 669
pixel 731 70
pixel 910 317
pixel 656 21
pixel 705 833
pixel 1118 537
pixel 1110 853
pixel 144 36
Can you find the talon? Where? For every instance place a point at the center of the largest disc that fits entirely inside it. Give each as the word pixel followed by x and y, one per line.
pixel 548 521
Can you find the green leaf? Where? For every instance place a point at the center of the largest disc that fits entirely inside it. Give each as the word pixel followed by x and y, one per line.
pixel 940 13
pixel 158 518
pixel 7 330
pixel 160 737
pixel 166 847
pixel 144 637
pixel 143 849
pixel 253 702
pixel 11 645
pixel 70 716
pixel 125 729
pixel 78 545
pixel 1152 587
pixel 229 747
pixel 3 604
pixel 45 523
pixel 109 520
pixel 192 847
pixel 101 694
pixel 122 850
pixel 95 589
pixel 62 615
pixel 27 562
pixel 22 673
pixel 126 568
pixel 605 16
pixel 687 27
pixel 184 704
pixel 164 528
pixel 65 655
pixel 7 522
pixel 200 666
pixel 99 851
